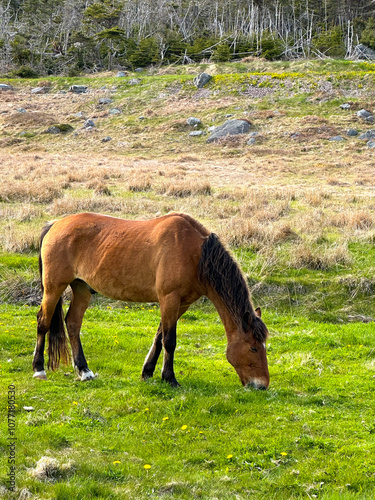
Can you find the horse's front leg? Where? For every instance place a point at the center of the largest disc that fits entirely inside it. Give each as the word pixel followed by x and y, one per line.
pixel 153 355
pixel 169 344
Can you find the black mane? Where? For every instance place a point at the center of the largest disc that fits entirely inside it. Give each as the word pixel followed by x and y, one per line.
pixel 218 268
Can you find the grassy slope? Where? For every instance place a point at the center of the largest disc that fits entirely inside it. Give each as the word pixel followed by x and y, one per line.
pixel 312 434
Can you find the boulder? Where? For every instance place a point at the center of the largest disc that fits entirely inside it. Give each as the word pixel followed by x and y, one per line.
pixel 40 90
pixel 201 80
pixel 78 89
pixel 193 122
pixel 352 132
pixel 62 128
pixel 121 74
pixel 363 113
pixel 230 127
pixel 4 87
pixel 105 100
pixel 367 136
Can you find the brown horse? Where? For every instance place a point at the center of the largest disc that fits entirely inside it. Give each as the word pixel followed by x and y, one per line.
pixel 172 260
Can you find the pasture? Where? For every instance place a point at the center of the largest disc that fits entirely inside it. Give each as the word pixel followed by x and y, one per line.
pixel 297 211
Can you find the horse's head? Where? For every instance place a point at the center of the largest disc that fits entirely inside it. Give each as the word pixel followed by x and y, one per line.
pixel 246 352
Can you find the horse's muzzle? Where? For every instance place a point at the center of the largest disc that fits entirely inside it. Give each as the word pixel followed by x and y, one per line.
pixel 257 384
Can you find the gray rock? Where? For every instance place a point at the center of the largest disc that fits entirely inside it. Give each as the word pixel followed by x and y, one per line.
pixel 362 52
pixel 363 113
pixel 253 134
pixel 138 70
pixel 345 106
pixel 107 139
pixel 40 90
pixel 105 100
pixel 352 132
pixel 141 118
pixel 230 127
pixel 53 130
pixel 134 81
pixel 336 138
pixel 367 136
pixel 371 144
pixel 78 89
pixel 4 86
pixel 121 74
pixel 196 133
pixel 201 80
pixel 369 119
pixel 21 110
pixel 211 129
pixel 89 124
pixel 193 121
pixel 251 141
pixel 114 111
pixel 79 115
pixel 228 115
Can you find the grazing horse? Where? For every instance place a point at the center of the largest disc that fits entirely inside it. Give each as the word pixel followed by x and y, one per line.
pixel 172 260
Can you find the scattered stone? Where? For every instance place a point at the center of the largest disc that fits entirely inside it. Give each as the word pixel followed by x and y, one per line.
pixel 4 87
pixel 134 81
pixel 141 118
pixel 362 52
pixel 345 106
pixel 369 135
pixel 105 100
pixel 336 138
pixel 194 122
pixel 79 115
pixel 89 124
pixel 121 74
pixel 106 139
pixel 40 90
pixel 371 144
pixel 228 115
pixel 138 70
pixel 352 132
pixel 369 119
pixel 363 113
pixel 28 408
pixel 62 92
pixel 114 111
pixel 211 129
pixel 201 80
pixel 78 89
pixel 21 110
pixel 230 127
pixel 251 141
pixel 253 134
pixel 62 128
pixel 196 133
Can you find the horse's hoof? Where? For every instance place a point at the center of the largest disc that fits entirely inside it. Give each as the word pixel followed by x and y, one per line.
pixel 42 375
pixel 88 376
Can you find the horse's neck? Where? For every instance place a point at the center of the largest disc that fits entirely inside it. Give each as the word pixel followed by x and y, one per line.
pixel 231 328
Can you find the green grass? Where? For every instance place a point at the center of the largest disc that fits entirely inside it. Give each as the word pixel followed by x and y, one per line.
pixel 311 434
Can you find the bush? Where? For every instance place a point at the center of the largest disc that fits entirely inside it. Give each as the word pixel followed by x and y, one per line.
pixel 25 72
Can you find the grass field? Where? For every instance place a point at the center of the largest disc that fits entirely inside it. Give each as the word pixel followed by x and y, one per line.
pixel 297 211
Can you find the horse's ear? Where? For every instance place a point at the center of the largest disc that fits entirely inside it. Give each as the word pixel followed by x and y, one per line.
pixel 246 321
pixel 258 312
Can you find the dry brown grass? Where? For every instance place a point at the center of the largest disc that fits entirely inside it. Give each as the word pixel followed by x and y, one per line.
pixel 324 258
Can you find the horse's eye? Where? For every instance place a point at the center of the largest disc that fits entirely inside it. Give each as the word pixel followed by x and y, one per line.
pixel 253 349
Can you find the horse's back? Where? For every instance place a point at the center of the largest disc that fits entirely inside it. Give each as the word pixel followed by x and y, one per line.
pixel 125 259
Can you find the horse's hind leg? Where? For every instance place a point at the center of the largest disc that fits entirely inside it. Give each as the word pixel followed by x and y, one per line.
pixel 44 319
pixel 80 302
pixel 153 355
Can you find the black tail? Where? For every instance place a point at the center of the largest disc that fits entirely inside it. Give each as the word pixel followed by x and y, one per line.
pixel 57 340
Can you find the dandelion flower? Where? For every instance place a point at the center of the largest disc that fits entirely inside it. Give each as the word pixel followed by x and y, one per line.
pixel 166 418
pixel 147 466
pixel 184 427
pixel 283 454
pixel 229 456
pixel 116 462
pixel 75 402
